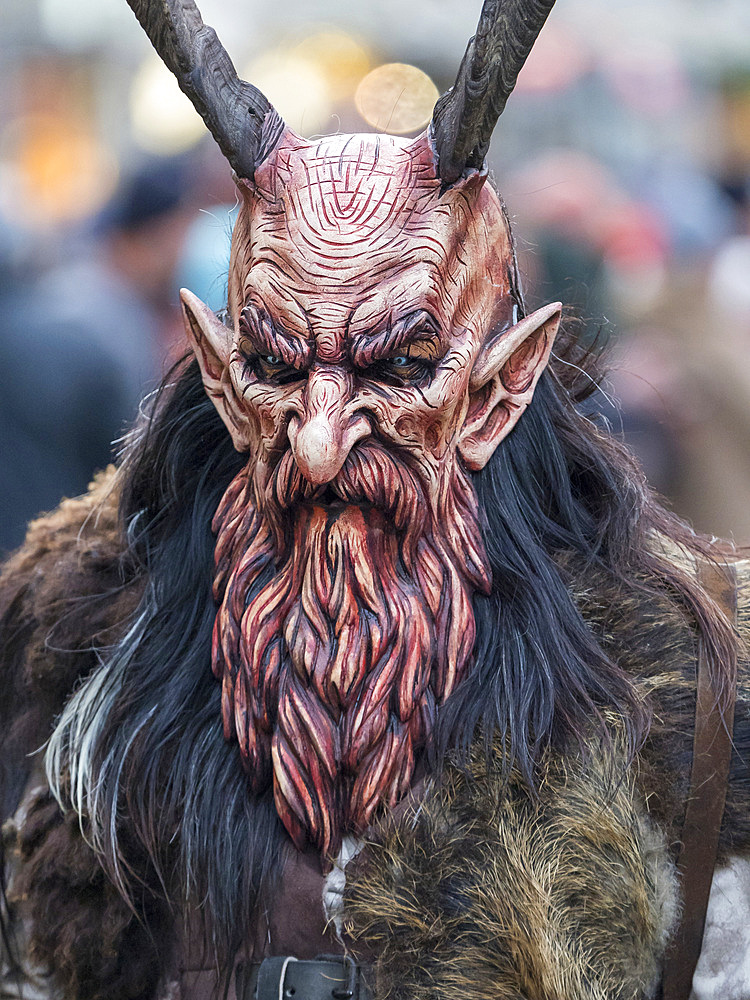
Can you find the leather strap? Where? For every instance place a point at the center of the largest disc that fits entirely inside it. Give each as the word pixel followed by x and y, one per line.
pixel 709 776
pixel 282 977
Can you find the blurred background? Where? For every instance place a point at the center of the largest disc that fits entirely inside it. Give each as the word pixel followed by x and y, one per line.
pixel 623 156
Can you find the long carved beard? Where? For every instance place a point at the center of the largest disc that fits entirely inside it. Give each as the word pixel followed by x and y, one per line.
pixel 340 631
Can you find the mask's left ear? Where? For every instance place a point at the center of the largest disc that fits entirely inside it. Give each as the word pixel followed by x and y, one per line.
pixel 212 345
pixel 502 383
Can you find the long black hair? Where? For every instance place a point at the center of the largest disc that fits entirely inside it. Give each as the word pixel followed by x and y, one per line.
pixel 142 740
pixel 564 499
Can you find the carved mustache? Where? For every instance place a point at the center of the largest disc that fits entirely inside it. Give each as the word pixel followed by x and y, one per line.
pixel 370 475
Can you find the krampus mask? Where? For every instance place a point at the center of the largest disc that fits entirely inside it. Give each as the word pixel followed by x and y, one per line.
pixel 373 357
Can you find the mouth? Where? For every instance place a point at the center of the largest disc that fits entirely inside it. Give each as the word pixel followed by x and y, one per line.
pixel 327 498
pixel 370 480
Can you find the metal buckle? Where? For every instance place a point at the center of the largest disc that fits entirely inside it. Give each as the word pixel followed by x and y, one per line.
pixel 282 977
pixel 271 977
pixel 349 991
pixel 321 978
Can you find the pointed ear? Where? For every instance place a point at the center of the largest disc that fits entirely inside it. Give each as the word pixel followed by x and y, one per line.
pixel 502 382
pixel 212 343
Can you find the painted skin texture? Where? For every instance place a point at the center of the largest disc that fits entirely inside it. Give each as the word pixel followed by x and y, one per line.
pixel 373 362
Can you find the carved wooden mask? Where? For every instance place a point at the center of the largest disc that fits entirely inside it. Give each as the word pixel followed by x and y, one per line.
pixel 373 358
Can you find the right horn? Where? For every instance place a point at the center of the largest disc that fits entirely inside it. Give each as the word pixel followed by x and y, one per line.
pixel 464 117
pixel 239 117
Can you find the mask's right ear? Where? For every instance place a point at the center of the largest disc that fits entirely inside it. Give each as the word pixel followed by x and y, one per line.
pixel 212 343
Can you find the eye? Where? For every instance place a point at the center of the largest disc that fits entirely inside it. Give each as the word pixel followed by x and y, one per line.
pixel 270 368
pixel 401 370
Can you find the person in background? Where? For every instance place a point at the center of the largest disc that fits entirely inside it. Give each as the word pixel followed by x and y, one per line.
pixel 83 342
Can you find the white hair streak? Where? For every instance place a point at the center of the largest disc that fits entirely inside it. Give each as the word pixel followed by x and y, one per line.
pixel 69 758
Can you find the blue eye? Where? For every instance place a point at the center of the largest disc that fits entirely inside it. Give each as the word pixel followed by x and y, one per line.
pixel 272 359
pixel 400 370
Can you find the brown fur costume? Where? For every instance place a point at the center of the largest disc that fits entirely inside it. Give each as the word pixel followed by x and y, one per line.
pixel 65 595
pixel 486 892
pixel 482 891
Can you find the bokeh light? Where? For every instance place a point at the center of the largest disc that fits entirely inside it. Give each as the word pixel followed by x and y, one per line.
pixel 162 118
pixel 341 58
pixel 623 155
pixel 308 80
pixel 396 98
pixel 56 170
pixel 296 86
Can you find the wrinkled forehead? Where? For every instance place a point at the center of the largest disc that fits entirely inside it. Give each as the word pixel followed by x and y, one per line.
pixel 356 216
pixel 346 192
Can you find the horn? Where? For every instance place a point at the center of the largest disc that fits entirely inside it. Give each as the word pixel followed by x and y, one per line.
pixel 465 116
pixel 239 117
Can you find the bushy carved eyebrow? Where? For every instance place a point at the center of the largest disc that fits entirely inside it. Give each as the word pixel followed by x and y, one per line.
pixel 417 333
pixel 264 335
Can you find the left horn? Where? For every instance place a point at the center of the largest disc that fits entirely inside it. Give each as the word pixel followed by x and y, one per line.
pixel 464 117
pixel 239 117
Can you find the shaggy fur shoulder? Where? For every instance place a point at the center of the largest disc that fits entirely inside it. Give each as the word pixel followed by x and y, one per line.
pixel 736 825
pixel 72 933
pixel 485 891
pixel 742 572
pixel 666 759
pixel 656 642
pixel 63 596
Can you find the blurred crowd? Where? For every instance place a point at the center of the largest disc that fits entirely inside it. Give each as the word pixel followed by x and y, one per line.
pixel 624 158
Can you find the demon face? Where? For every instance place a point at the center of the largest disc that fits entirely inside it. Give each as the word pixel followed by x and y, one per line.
pixel 375 359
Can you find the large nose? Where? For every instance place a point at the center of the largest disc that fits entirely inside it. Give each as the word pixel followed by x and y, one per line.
pixel 328 427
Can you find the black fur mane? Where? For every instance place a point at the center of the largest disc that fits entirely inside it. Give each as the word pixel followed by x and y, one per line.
pixel 560 495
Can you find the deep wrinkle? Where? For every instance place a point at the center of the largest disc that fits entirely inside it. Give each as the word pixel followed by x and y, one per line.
pixel 362 411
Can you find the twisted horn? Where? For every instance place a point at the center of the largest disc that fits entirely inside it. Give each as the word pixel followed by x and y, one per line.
pixel 239 117
pixel 464 117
